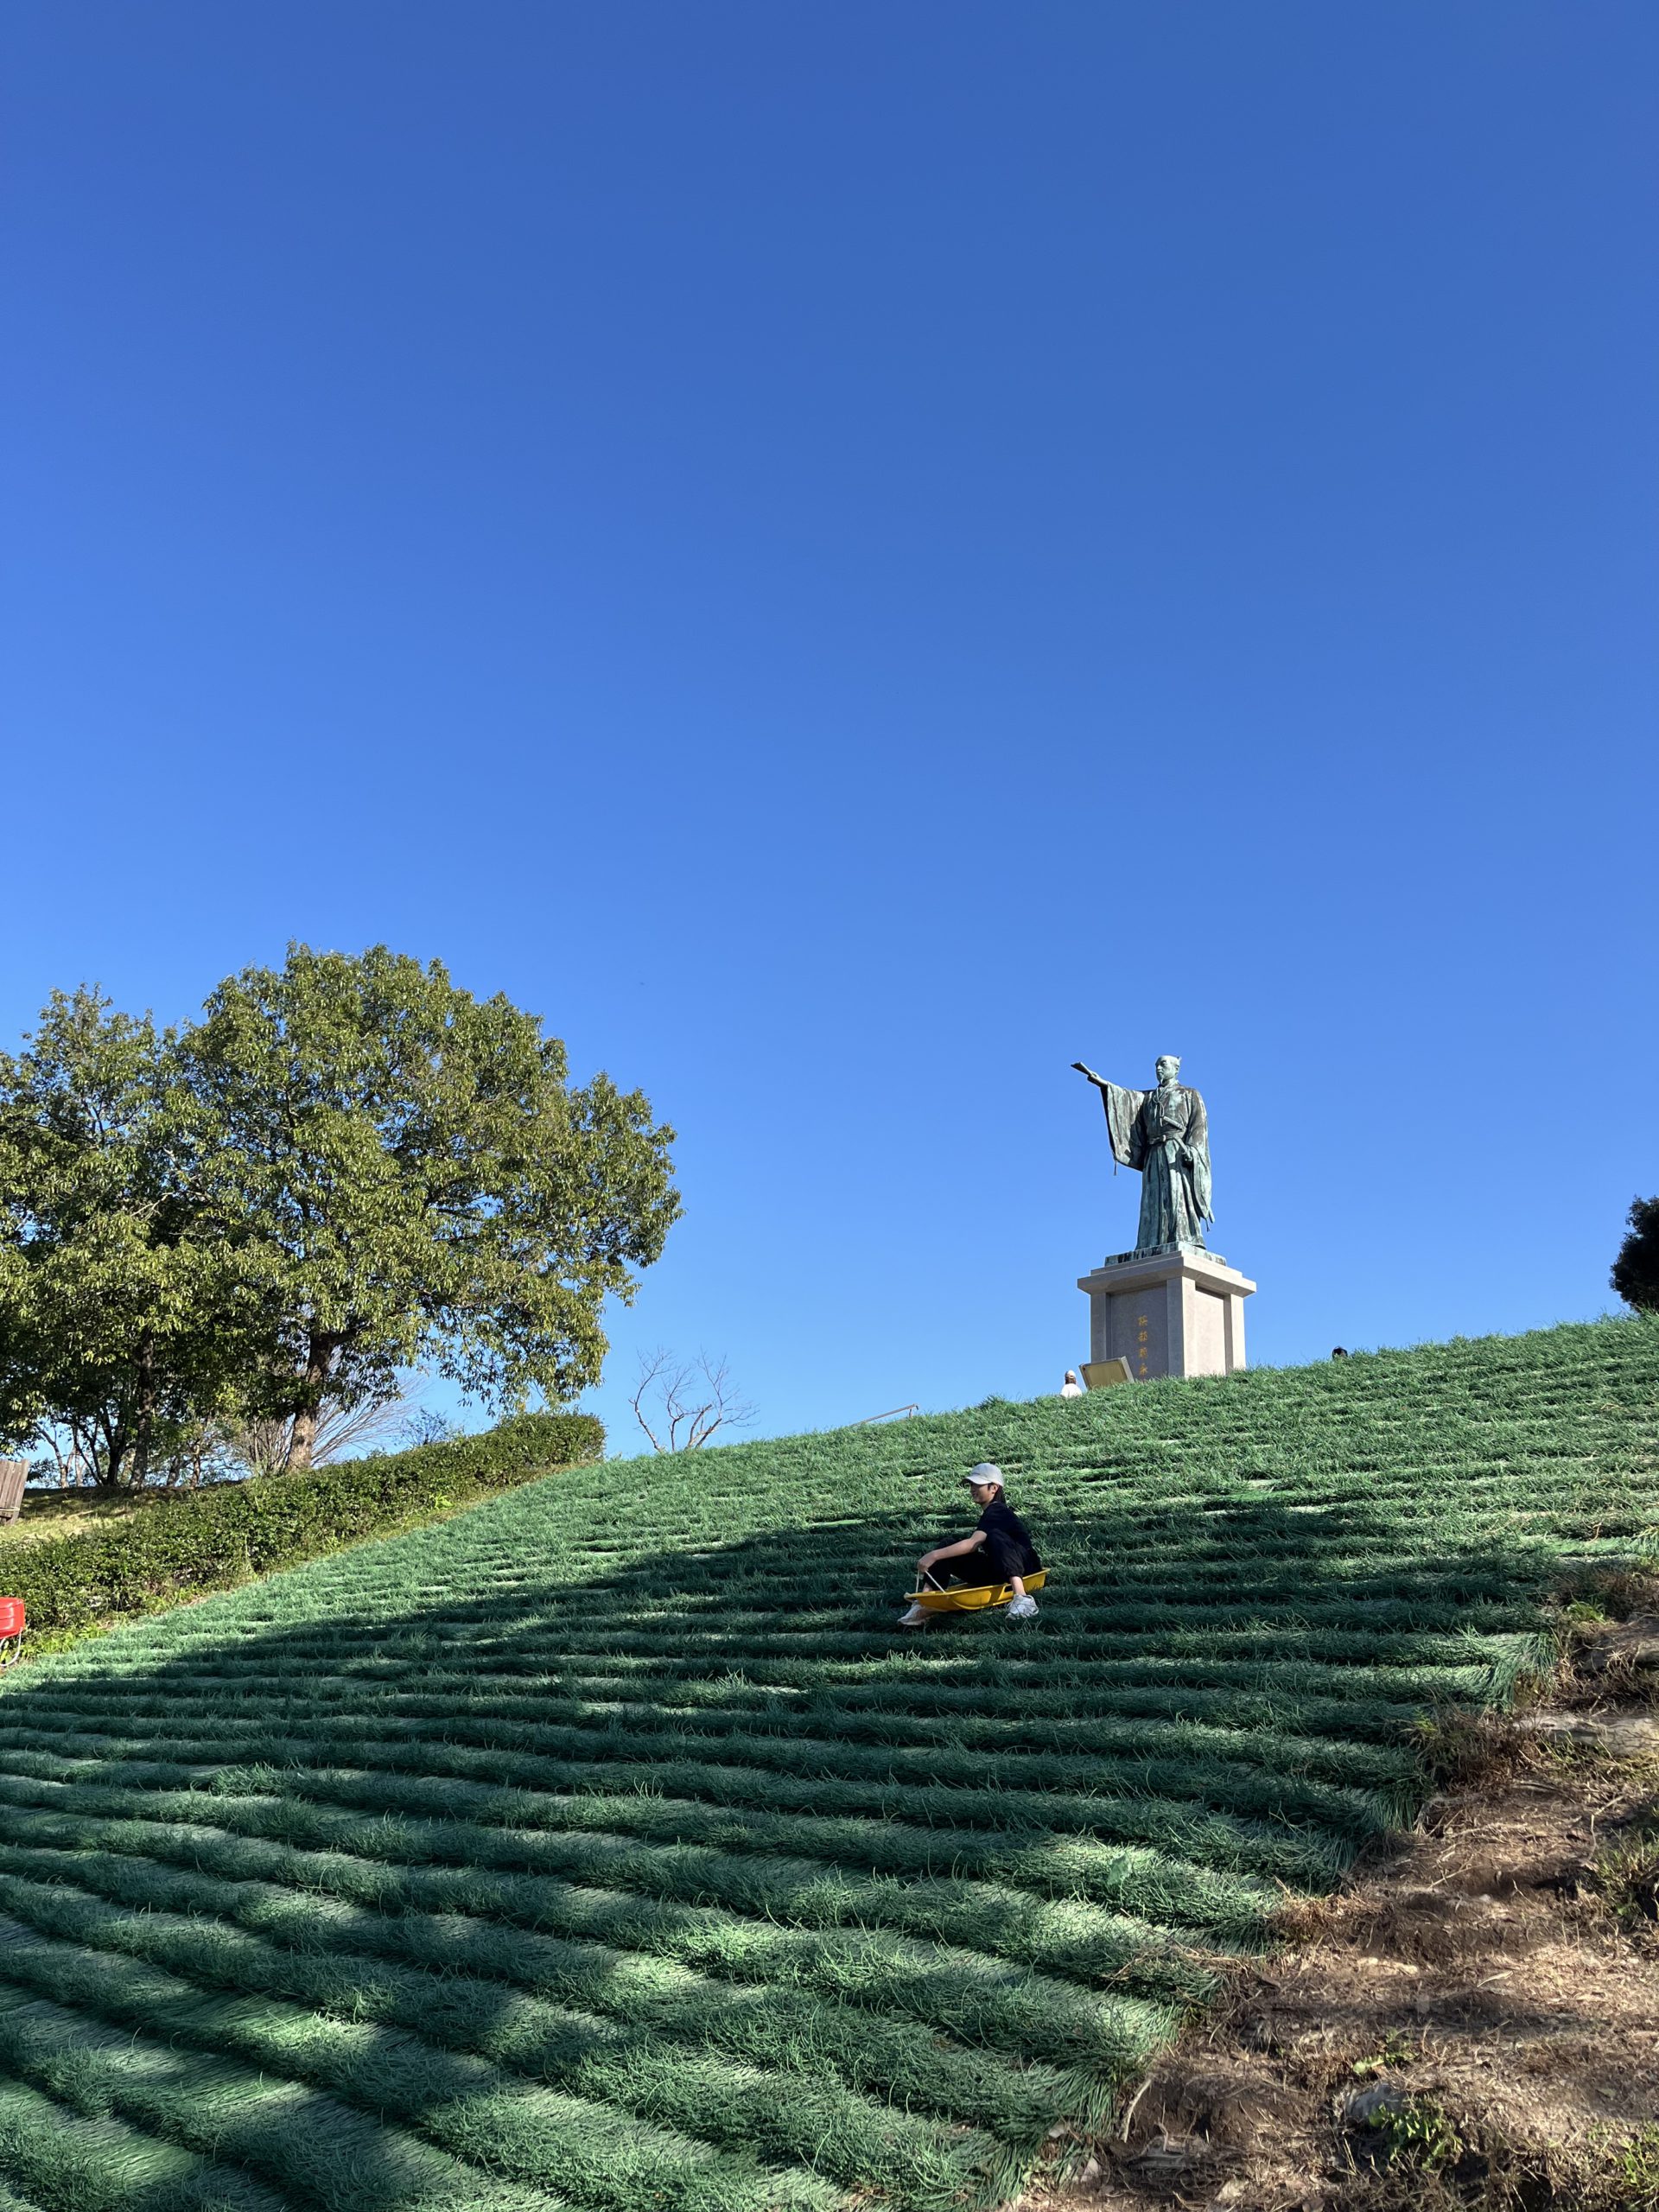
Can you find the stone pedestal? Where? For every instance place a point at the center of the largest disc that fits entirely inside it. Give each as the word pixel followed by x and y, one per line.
pixel 1176 1312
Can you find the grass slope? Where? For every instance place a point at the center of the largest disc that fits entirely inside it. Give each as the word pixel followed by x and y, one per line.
pixel 604 1847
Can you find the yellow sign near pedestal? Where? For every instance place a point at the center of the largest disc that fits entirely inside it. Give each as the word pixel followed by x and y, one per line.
pixel 1100 1374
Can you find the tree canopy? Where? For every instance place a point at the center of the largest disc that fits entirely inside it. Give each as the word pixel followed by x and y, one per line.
pixel 347 1167
pixel 121 1324
pixel 1636 1270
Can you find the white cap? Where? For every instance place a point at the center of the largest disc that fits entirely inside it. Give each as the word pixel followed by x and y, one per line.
pixel 984 1472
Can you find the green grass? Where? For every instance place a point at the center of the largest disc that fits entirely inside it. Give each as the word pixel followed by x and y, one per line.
pixel 47 1514
pixel 604 1847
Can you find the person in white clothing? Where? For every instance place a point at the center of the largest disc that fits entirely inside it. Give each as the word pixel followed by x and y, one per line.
pixel 1070 1388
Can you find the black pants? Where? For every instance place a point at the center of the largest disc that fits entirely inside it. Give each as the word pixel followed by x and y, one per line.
pixel 980 1568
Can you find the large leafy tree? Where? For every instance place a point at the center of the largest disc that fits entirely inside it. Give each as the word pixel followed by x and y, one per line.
pixel 407 1176
pixel 123 1330
pixel 1636 1270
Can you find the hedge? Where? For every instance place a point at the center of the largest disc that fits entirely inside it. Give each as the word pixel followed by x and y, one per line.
pixel 213 1538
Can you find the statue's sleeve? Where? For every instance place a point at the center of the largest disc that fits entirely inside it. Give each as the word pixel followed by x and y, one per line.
pixel 1198 1145
pixel 1123 1123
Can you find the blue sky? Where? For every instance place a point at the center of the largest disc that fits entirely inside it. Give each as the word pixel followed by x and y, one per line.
pixel 850 556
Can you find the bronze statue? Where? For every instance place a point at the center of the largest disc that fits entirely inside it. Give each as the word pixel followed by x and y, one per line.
pixel 1166 1134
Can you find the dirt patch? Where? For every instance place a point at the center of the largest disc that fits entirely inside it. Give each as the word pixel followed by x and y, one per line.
pixel 1474 2021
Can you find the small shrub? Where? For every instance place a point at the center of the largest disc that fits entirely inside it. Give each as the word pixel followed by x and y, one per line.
pixel 1417 2134
pixel 1396 2049
pixel 1598 1595
pixel 1590 1612
pixel 1627 1874
pixel 1464 1748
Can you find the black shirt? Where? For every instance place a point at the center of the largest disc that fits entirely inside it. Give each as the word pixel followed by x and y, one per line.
pixel 1007 1540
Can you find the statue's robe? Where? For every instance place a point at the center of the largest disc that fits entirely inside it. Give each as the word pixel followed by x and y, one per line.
pixel 1166 1134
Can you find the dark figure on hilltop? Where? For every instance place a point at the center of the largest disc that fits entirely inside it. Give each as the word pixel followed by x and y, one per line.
pixel 1636 1271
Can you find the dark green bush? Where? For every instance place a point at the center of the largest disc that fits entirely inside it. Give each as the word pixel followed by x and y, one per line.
pixel 1636 1270
pixel 212 1539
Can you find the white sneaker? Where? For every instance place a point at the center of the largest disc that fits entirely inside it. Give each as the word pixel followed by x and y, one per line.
pixel 914 1617
pixel 1024 1607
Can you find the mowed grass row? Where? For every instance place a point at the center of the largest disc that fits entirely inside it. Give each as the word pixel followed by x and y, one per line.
pixel 606 1847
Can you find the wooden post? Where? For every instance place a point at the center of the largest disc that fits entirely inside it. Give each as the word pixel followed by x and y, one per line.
pixel 14 1473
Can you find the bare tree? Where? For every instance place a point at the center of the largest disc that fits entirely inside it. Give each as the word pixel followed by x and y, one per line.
pixel 266 1447
pixel 688 1400
pixel 426 1425
pixel 67 1462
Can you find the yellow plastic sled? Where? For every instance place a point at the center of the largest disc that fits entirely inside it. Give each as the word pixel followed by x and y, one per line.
pixel 961 1598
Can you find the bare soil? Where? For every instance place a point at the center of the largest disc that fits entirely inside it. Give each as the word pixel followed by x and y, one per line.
pixel 1474 2021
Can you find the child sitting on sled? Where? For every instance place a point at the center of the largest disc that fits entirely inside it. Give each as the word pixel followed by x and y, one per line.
pixel 1000 1549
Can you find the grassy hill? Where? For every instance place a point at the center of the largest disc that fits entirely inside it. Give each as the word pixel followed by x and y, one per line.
pixel 605 1847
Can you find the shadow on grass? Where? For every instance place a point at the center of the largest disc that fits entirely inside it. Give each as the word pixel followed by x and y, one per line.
pixel 1254 1592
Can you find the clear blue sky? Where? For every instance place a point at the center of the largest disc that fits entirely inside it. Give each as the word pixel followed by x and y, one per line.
pixel 850 555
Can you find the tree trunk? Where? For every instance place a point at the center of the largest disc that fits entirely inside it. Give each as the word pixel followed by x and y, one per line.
pixel 144 1420
pixel 107 1480
pixel 320 1353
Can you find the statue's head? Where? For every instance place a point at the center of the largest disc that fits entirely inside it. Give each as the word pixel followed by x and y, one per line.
pixel 1169 1068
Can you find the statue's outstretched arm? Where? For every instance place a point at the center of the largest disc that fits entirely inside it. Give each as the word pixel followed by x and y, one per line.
pixel 1121 1108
